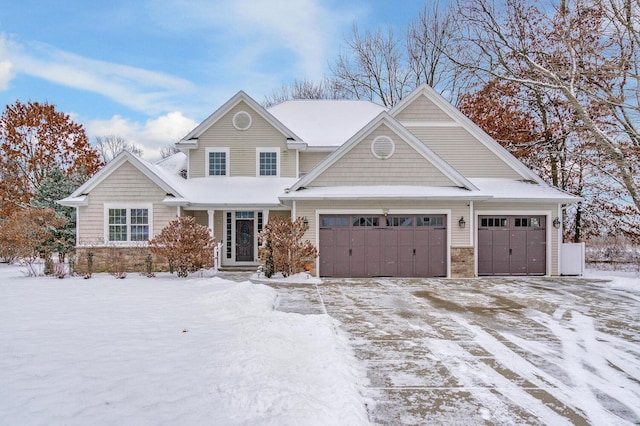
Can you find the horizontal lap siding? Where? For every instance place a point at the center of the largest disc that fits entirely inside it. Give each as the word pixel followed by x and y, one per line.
pixel 459 237
pixel 126 184
pixel 360 167
pixel 308 160
pixel 509 208
pixel 422 109
pixel 464 152
pixel 242 145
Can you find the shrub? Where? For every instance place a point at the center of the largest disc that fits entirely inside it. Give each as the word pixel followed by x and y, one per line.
pixel 282 247
pixel 185 244
pixel 27 234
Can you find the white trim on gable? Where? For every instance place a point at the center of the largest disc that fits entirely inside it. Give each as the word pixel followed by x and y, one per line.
pixel 113 165
pixel 384 118
pixel 191 139
pixel 446 107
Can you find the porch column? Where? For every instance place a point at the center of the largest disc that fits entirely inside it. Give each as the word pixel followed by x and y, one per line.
pixel 211 214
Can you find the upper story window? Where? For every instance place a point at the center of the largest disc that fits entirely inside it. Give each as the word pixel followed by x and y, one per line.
pixel 267 162
pixel 217 162
pixel 127 224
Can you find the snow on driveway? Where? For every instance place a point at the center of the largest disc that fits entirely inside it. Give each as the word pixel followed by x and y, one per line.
pixel 142 351
pixel 490 351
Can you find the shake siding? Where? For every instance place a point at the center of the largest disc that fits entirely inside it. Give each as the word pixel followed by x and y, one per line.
pixel 553 208
pixel 308 160
pixel 422 109
pixel 360 167
pixel 464 152
pixel 242 145
pixel 459 237
pixel 125 185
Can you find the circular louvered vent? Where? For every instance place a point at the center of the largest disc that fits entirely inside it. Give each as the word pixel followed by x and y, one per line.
pixel 242 120
pixel 382 147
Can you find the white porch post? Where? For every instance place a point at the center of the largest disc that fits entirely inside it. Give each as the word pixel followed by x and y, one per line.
pixel 265 218
pixel 211 214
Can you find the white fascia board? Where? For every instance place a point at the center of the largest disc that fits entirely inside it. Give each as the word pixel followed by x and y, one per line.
pixel 300 146
pixel 82 200
pixel 231 207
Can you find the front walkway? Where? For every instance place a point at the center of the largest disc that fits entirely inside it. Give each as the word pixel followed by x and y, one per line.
pixel 488 351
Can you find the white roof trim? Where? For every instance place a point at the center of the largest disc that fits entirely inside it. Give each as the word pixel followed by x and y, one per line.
pixel 225 108
pixel 384 117
pixel 82 200
pixel 468 125
pixel 112 165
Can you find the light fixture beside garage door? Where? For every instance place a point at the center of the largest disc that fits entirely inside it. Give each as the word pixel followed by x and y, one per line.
pixel 382 147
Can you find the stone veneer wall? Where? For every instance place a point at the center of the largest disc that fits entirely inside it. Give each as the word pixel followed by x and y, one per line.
pixel 462 262
pixel 112 259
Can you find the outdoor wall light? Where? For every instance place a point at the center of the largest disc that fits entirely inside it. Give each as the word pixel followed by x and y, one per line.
pixel 556 223
pixel 385 212
pixel 305 221
pixel 462 223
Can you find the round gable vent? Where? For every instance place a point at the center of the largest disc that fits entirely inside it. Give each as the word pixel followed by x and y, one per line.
pixel 382 147
pixel 242 120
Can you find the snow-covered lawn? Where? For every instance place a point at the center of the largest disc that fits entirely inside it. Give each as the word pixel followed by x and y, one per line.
pixel 150 351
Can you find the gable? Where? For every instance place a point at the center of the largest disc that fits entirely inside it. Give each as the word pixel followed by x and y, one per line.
pixel 464 152
pixel 422 109
pixel 359 166
pixel 242 143
pixel 126 184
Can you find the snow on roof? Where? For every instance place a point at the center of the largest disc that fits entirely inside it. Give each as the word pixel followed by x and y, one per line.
pixel 235 191
pixel 509 189
pixel 174 163
pixel 383 191
pixel 322 122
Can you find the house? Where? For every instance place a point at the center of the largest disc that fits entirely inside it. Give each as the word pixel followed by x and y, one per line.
pixel 414 191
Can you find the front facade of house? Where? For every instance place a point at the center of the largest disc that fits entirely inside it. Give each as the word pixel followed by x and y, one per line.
pixel 415 191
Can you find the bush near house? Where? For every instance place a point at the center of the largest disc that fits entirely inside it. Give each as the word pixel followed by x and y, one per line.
pixel 283 249
pixel 187 245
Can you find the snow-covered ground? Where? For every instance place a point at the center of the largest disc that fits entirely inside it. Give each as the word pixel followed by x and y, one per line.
pixel 151 351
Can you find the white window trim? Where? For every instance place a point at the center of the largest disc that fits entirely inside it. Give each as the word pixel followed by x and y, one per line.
pixel 128 207
pixel 206 161
pixel 258 151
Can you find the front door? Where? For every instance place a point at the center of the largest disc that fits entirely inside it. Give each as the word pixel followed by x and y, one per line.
pixel 244 240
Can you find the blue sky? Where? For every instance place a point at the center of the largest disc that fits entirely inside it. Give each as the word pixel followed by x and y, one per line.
pixel 151 70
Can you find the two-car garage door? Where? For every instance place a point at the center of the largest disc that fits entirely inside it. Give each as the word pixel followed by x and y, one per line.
pixel 373 246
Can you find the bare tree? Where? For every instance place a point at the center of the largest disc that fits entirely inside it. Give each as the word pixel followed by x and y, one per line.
pixel 584 53
pixel 168 150
pixel 303 89
pixel 111 145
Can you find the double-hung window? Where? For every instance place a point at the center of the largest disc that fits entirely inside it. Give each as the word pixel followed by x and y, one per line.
pixel 217 162
pixel 267 162
pixel 127 224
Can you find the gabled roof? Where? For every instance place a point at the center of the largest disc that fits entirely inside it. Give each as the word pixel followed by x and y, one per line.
pixel 325 122
pixel 192 137
pixel 78 197
pixel 384 118
pixel 470 126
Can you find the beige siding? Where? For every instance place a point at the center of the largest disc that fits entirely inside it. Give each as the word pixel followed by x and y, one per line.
pixel 464 152
pixel 127 185
pixel 242 145
pixel 219 226
pixel 512 208
pixel 308 160
pixel 422 109
pixel 360 167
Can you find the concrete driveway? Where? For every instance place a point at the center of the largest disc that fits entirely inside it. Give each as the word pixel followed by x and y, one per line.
pixel 488 351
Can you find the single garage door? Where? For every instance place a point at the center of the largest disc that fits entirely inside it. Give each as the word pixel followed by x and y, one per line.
pixel 512 245
pixel 383 246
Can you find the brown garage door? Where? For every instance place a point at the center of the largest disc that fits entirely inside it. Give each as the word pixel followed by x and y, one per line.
pixel 390 246
pixel 512 245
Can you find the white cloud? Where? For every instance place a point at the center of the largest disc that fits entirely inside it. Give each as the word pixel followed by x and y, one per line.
pixel 6 67
pixel 139 89
pixel 151 135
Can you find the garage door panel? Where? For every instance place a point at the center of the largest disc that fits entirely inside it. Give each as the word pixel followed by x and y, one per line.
pixel 366 246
